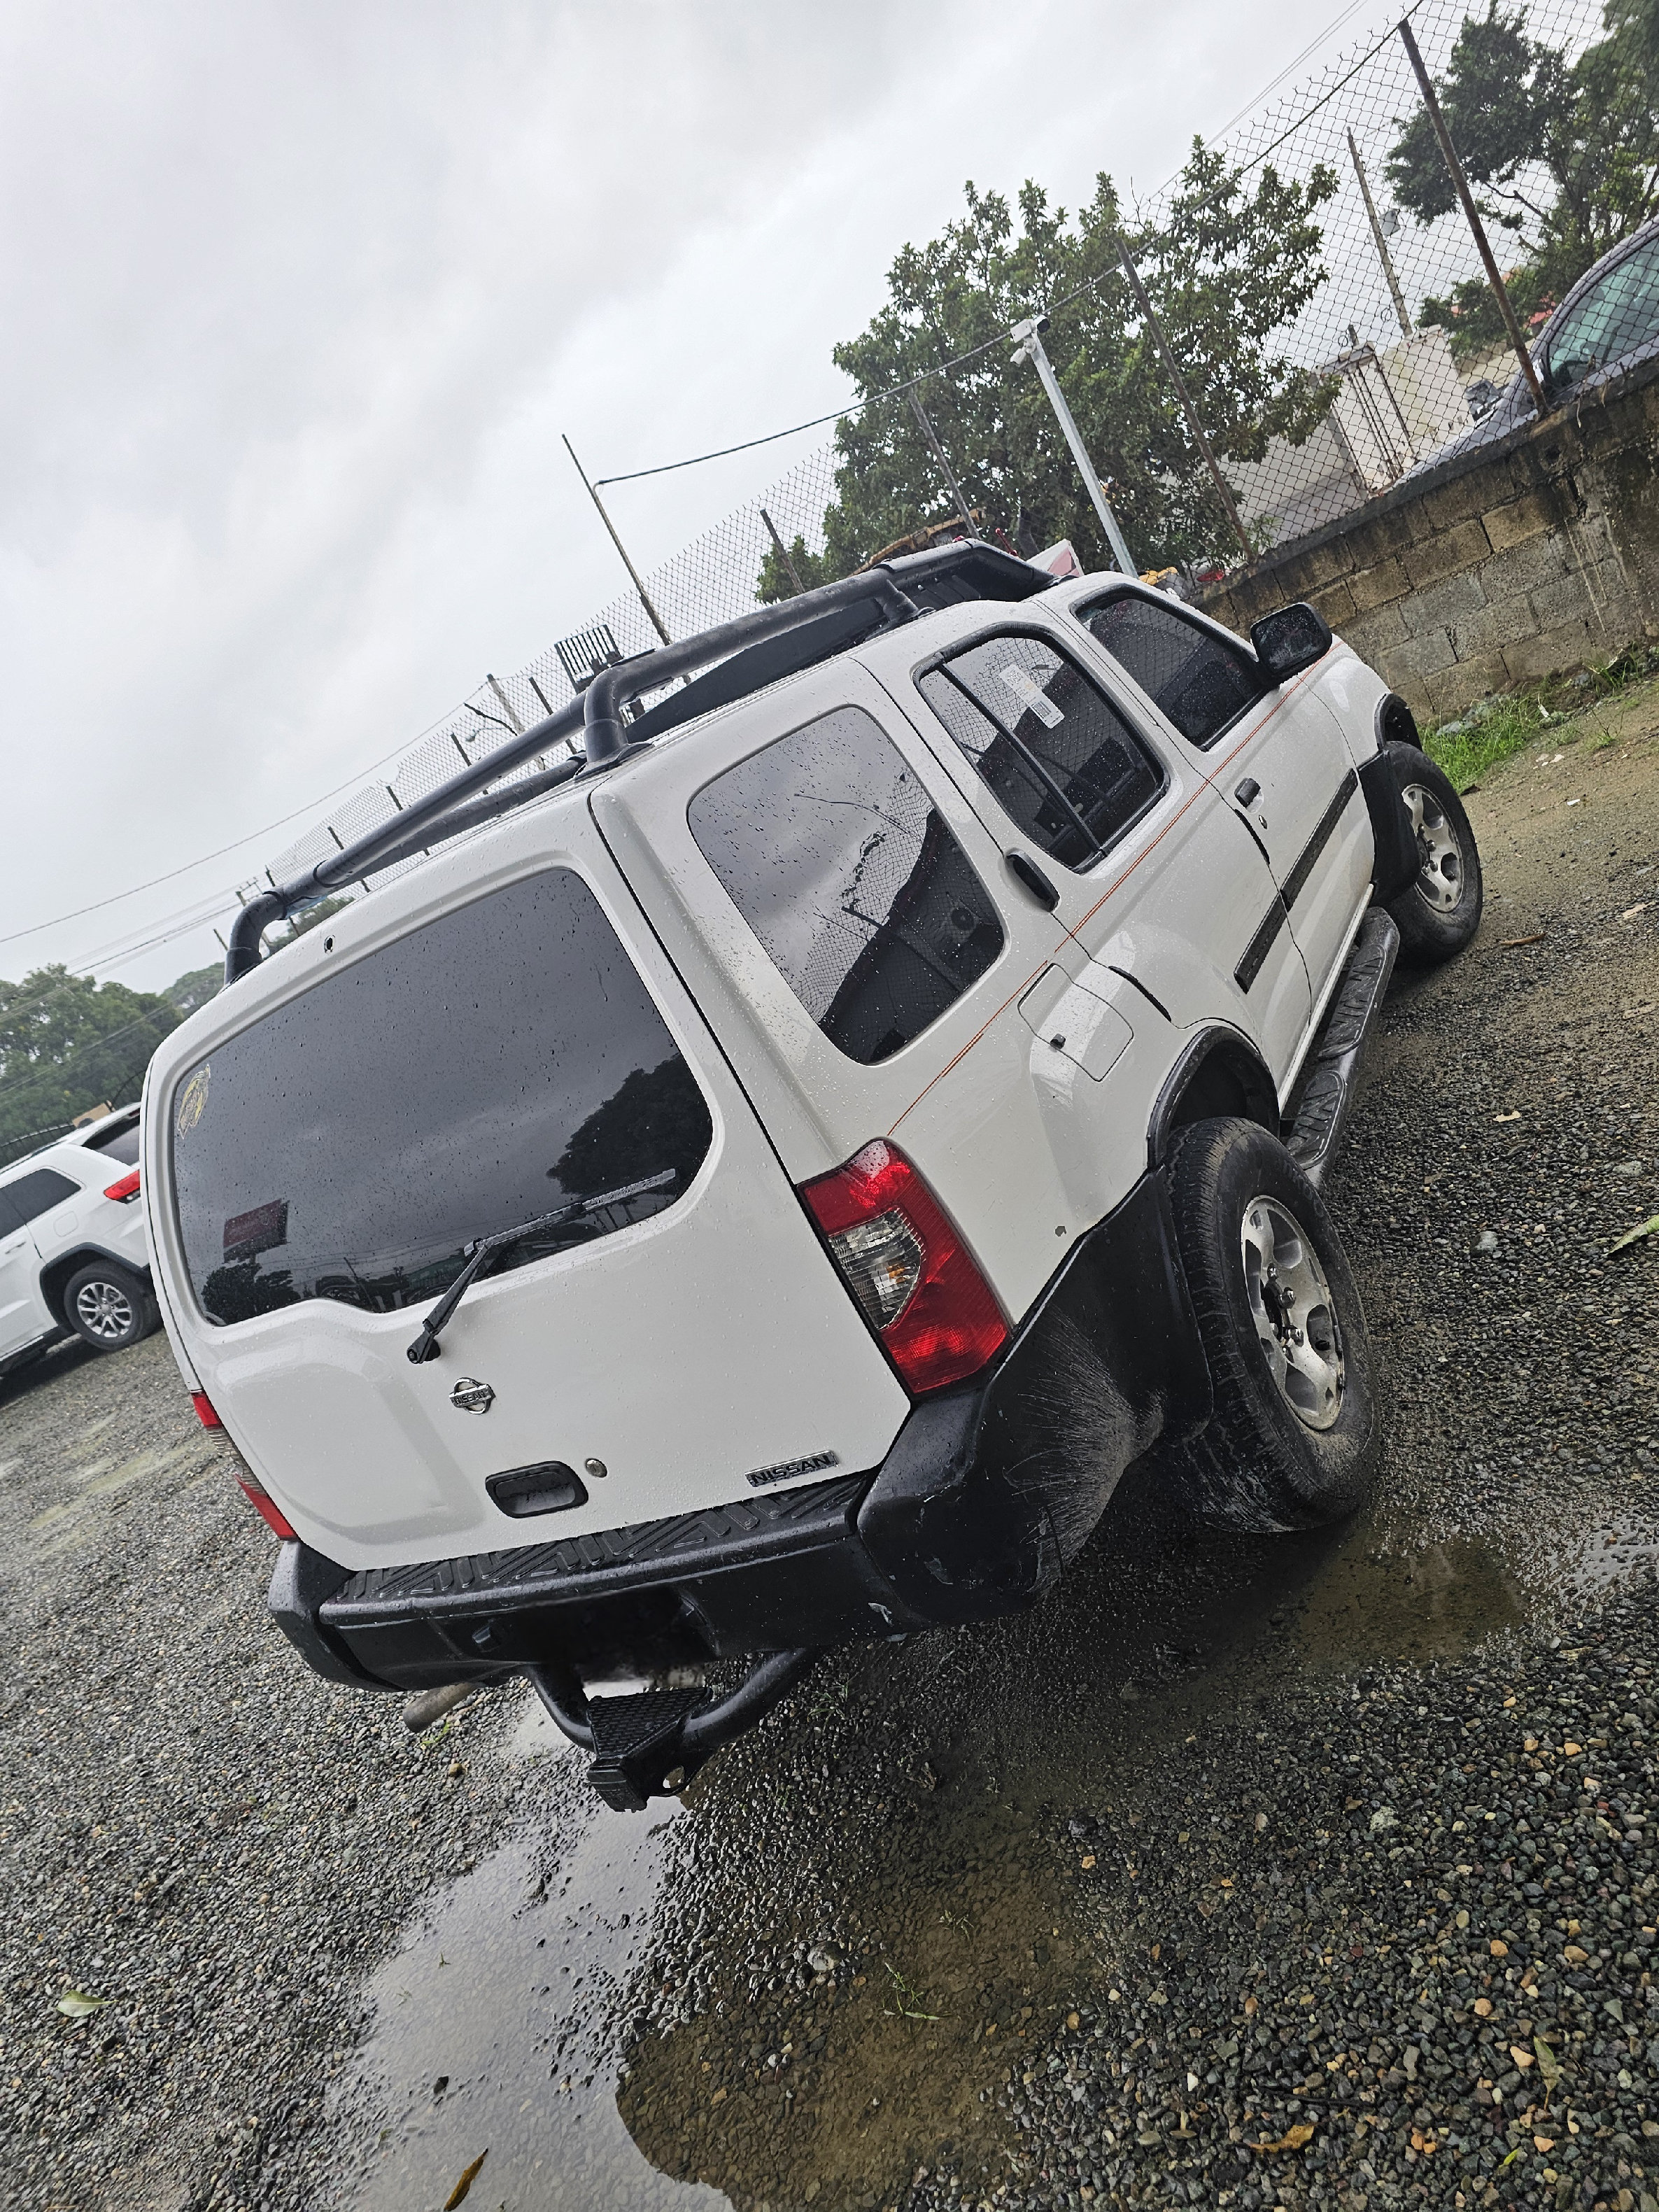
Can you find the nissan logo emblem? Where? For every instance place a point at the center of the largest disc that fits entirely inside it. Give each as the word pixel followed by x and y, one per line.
pixel 471 1396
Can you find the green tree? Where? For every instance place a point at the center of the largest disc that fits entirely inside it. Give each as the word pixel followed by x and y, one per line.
pixel 1228 264
pixel 68 1043
pixel 1565 156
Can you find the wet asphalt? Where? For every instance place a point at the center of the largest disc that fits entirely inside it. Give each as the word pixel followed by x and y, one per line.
pixel 1303 1872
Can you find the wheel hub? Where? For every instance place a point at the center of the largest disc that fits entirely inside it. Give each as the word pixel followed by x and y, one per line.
pixel 1439 854
pixel 104 1310
pixel 1295 1316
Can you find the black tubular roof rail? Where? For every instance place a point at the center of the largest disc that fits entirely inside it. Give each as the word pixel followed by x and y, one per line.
pixel 401 836
pixel 607 738
pixel 799 632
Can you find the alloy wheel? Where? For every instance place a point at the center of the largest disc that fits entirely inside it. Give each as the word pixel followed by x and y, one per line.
pixel 1295 1317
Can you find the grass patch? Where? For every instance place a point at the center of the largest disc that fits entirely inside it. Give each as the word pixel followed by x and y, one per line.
pixel 1508 722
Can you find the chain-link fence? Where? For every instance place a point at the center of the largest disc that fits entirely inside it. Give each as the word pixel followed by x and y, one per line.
pixel 1313 319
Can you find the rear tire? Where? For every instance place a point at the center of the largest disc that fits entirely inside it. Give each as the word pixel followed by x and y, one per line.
pixel 109 1306
pixel 1294 1439
pixel 1439 911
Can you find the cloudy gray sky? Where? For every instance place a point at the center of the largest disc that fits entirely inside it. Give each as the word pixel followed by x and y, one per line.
pixel 299 299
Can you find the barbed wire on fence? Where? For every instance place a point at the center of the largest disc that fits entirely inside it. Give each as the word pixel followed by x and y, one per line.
pixel 1400 336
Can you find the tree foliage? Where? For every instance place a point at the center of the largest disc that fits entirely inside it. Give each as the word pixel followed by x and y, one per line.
pixel 1564 156
pixel 1229 264
pixel 67 1044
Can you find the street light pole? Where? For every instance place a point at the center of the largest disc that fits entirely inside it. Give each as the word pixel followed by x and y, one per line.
pixel 1380 241
pixel 1030 347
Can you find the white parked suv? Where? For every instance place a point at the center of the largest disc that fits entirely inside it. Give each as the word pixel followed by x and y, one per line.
pixel 763 1183
pixel 74 1246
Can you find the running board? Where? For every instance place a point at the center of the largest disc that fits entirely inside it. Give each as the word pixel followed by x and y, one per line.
pixel 1326 1090
pixel 651 1744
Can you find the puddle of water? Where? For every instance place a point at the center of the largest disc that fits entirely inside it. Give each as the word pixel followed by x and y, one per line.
pixel 1371 1602
pixel 1432 1603
pixel 508 1994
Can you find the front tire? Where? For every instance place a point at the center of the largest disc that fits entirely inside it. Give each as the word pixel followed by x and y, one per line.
pixel 1439 911
pixel 1294 1440
pixel 108 1306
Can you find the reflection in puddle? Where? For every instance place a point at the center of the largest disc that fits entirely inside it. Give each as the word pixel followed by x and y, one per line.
pixel 1428 1604
pixel 495 2029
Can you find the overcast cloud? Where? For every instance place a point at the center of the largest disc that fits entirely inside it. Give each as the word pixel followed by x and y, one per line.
pixel 298 301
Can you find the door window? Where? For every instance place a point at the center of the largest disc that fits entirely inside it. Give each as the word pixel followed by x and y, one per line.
pixel 35 1193
pixel 1062 761
pixel 1201 682
pixel 482 1072
pixel 829 846
pixel 1614 317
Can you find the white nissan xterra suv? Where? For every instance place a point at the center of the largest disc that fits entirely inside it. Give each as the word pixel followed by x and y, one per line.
pixel 760 1180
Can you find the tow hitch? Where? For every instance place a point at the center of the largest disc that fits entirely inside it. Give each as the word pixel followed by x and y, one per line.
pixel 650 1744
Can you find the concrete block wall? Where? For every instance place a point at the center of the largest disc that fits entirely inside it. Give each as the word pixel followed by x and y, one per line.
pixel 1532 555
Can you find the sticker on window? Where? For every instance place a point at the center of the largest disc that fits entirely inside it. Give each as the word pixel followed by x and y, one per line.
pixel 1031 694
pixel 192 1100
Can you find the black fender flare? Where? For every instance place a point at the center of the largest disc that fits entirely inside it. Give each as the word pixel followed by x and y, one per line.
pixel 1395 857
pixel 1232 1077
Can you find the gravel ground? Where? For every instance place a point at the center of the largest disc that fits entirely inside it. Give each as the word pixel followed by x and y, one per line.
pixel 1214 1848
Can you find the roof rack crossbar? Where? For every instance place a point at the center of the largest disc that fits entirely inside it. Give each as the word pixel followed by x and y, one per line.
pixel 605 735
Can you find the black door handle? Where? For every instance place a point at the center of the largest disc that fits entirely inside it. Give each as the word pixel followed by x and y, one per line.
pixel 1026 872
pixel 1247 792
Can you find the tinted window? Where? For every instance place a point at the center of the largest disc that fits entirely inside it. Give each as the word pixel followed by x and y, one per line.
pixel 1200 680
pixel 122 1144
pixel 1613 318
pixel 832 851
pixel 1060 757
pixel 352 1144
pixel 37 1193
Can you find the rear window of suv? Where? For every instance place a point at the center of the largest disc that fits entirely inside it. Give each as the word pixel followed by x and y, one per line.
pixel 480 1072
pixel 829 847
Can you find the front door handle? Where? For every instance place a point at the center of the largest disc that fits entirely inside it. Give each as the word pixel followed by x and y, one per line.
pixel 1026 872
pixel 1247 792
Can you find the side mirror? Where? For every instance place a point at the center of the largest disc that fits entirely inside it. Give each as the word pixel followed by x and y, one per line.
pixel 1288 640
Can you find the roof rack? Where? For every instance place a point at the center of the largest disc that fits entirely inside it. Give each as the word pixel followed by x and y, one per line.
pixel 754 651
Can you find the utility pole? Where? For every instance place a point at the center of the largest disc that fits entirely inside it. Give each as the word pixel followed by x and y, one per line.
pixel 1382 252
pixel 930 435
pixel 1030 347
pixel 1224 490
pixel 1460 185
pixel 657 622
pixel 783 553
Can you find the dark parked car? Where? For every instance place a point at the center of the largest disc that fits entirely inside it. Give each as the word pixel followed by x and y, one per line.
pixel 1608 321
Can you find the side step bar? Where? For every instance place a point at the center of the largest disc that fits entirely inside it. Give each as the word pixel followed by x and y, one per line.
pixel 639 1742
pixel 1326 1090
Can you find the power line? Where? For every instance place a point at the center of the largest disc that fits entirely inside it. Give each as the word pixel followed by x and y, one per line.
pixel 876 400
pixel 202 859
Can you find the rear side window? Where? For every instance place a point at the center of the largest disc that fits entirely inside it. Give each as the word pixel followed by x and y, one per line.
pixel 491 1068
pixel 1199 680
pixel 831 848
pixel 37 1193
pixel 1060 759
pixel 122 1144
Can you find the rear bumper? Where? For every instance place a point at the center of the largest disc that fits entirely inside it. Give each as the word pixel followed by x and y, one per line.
pixel 989 1490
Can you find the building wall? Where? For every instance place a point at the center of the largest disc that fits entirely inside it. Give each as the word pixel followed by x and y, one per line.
pixel 1537 554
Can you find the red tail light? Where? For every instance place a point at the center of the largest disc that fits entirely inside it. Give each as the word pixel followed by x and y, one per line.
pixel 918 1289
pixel 266 1507
pixel 263 1504
pixel 126 1188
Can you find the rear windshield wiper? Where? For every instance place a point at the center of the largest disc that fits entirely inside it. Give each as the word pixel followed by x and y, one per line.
pixel 488 1248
